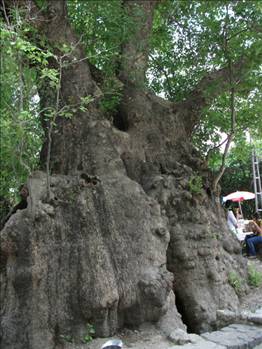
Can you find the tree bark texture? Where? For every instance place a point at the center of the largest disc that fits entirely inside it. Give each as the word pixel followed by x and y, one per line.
pixel 135 52
pixel 123 231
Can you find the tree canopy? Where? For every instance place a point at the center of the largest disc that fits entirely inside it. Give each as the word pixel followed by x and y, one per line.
pixel 190 44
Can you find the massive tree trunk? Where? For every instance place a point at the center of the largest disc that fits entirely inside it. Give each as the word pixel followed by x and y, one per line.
pixel 122 231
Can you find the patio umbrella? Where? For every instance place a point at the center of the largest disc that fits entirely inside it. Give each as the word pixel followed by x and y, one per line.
pixel 239 196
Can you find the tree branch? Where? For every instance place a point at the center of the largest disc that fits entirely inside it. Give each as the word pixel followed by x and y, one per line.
pixel 6 18
pixel 215 147
pixel 229 140
pixel 211 86
pixel 232 105
pixel 161 69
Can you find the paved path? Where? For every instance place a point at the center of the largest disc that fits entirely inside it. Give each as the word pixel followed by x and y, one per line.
pixel 236 337
pixel 245 335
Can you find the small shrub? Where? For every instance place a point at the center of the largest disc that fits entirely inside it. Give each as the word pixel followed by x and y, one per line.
pixel 66 338
pixel 254 277
pixel 215 236
pixel 90 332
pixel 195 184
pixel 235 281
pixel 112 95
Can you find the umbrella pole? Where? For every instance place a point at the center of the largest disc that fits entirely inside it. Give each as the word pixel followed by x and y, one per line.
pixel 240 208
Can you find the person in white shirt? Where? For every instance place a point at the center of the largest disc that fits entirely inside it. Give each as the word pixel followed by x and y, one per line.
pixel 231 219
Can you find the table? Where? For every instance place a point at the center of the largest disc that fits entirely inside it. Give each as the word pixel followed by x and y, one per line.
pixel 241 235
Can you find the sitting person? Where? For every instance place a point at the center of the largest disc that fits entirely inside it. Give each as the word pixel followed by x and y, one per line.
pixel 254 239
pixel 231 219
pixel 237 213
pixel 257 219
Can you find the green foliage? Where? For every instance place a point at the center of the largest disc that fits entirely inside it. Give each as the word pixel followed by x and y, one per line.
pixel 215 120
pixel 67 338
pixel 25 68
pixel 112 95
pixel 254 277
pixel 195 184
pixel 87 338
pixel 90 332
pixel 187 42
pixel 50 74
pixel 84 102
pixel 238 174
pixel 21 132
pixel 103 27
pixel 41 4
pixel 235 281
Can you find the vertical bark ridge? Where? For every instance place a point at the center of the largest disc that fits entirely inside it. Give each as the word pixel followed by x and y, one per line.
pixel 135 50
